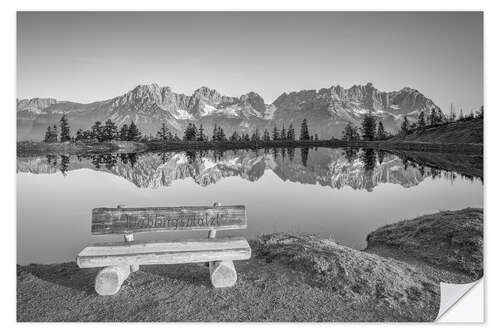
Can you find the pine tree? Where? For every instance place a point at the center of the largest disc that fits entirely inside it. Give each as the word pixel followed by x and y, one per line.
pixel 163 133
pixel 283 133
pixel 266 136
pixel 350 133
pixel 124 132
pixel 221 136
pixel 436 118
pixel 276 134
pixel 405 126
pixel 190 133
pixel 51 134
pixel 256 135
pixel 65 131
pixel 245 137
pixel 215 133
pixel 133 133
pixel 421 120
pixel 109 131
pixel 96 131
pixel 234 137
pixel 368 127
pixel 201 134
pixel 316 137
pixel 290 135
pixel 47 134
pixel 304 131
pixel 79 135
pixel 381 134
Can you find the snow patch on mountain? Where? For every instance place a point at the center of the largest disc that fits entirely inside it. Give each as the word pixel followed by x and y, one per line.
pixel 183 115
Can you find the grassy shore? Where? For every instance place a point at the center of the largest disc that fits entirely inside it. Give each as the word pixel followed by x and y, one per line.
pixel 30 148
pixel 288 278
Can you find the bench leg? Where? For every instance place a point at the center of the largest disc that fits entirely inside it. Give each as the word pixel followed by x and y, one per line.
pixel 222 273
pixel 109 280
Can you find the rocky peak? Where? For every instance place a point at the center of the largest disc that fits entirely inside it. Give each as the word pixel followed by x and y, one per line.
pixel 34 105
pixel 254 100
pixel 207 93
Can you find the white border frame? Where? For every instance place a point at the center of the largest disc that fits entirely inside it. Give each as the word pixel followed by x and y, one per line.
pixel 8 91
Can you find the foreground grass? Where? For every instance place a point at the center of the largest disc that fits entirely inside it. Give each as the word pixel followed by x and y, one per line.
pixel 288 278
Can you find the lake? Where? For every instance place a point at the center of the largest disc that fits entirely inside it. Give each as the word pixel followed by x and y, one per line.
pixel 340 193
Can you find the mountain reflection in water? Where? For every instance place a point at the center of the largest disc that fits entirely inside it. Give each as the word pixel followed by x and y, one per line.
pixel 336 168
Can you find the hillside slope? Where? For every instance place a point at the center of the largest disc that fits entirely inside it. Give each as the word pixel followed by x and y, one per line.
pixel 469 131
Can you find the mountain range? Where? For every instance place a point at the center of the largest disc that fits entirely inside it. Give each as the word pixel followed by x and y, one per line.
pixel 327 110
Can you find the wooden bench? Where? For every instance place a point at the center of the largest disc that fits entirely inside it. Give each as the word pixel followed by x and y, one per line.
pixel 119 259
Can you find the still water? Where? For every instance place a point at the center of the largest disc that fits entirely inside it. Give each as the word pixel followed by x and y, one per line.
pixel 340 193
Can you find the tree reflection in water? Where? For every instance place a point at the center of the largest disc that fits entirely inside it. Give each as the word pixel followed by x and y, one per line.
pixel 321 166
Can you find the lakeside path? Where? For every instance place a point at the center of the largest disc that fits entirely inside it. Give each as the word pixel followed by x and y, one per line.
pixel 288 278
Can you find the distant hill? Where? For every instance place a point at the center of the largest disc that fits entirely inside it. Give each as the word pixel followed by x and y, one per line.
pixel 468 131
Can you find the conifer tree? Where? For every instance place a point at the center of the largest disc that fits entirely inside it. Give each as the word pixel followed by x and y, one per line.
pixel 133 133
pixel 421 120
pixel 368 127
pixel 47 134
pixel 276 134
pixel 109 131
pixel 350 133
pixel 381 134
pixel 201 134
pixel 124 132
pixel 221 136
pixel 283 133
pixel 96 131
pixel 79 135
pixel 215 133
pixel 65 131
pixel 290 135
pixel 190 133
pixel 256 135
pixel 234 137
pixel 266 136
pixel 51 134
pixel 405 126
pixel 163 133
pixel 304 131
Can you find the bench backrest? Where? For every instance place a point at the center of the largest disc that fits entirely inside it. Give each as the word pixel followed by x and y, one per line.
pixel 134 220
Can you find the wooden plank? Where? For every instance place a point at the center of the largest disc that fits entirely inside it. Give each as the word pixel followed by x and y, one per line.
pixel 148 219
pixel 152 253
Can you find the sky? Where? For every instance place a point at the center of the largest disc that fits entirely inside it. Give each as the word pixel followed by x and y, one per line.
pixel 86 57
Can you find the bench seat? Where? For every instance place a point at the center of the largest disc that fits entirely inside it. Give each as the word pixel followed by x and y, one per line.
pixel 174 252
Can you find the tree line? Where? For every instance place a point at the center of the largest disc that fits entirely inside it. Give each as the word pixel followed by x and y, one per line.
pixel 194 133
pixel 109 131
pixel 98 132
pixel 371 130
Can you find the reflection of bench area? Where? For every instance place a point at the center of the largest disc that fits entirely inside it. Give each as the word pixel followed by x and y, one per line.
pixel 119 259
